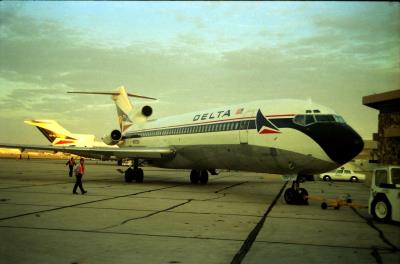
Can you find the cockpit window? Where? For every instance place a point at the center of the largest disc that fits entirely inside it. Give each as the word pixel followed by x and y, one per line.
pixel 325 118
pixel 308 119
pixel 304 120
pixel 339 119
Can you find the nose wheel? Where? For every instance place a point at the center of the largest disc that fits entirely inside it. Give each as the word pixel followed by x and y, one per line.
pixel 295 194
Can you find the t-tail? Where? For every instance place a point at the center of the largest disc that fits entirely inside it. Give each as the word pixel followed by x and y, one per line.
pixel 127 114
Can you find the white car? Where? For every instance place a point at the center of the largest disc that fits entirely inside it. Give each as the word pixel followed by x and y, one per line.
pixel 342 175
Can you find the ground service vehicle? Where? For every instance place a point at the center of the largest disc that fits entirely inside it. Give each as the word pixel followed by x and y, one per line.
pixel 342 174
pixel 384 198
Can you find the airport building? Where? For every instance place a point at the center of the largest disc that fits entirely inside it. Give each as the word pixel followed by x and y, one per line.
pixel 388 136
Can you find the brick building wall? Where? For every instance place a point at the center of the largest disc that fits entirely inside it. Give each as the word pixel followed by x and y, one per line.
pixel 388 144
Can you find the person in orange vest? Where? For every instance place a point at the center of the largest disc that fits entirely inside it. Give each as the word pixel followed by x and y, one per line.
pixel 79 171
pixel 71 163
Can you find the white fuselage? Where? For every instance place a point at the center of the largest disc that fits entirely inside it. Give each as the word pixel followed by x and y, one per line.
pixel 228 138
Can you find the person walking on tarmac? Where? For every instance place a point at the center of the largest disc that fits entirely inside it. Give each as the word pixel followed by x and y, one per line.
pixel 71 163
pixel 79 171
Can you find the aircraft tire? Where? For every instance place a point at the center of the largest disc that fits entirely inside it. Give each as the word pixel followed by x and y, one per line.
pixel 290 196
pixel 194 176
pixel 203 177
pixel 303 196
pixel 129 175
pixel 139 175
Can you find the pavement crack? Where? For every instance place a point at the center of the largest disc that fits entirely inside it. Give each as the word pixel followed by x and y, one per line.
pixel 393 247
pixel 376 255
pixel 84 203
pixel 146 216
pixel 120 233
pixel 32 185
pixel 245 248
pixel 215 198
pixel 231 186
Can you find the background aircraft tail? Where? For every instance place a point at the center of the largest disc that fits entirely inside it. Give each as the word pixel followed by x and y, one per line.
pixel 127 115
pixel 59 136
pixel 53 131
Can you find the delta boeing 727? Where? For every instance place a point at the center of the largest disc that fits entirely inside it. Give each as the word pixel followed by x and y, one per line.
pixel 289 137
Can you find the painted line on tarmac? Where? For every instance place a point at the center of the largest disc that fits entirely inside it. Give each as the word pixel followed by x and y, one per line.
pixel 245 248
pixel 89 202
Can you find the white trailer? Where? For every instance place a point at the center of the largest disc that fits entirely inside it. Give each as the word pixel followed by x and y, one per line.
pixel 384 198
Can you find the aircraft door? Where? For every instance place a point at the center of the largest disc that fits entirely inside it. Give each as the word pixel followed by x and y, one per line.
pixel 243 132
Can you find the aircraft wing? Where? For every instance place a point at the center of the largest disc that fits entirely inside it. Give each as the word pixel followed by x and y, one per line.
pixel 103 152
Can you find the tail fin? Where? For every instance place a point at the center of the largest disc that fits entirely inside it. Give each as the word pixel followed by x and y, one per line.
pixel 124 108
pixel 123 104
pixel 59 136
pixel 53 131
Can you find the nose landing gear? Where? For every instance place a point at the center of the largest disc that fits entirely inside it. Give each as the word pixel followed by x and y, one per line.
pixel 295 194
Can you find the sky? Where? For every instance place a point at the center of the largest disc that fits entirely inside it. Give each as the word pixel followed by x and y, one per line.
pixel 190 56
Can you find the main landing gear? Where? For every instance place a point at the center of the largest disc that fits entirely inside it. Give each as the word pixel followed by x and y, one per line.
pixel 295 194
pixel 134 173
pixel 197 176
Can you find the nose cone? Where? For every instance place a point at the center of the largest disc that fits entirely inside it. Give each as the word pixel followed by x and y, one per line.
pixel 340 142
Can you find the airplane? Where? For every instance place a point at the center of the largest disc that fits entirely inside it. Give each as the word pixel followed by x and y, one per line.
pixel 282 136
pixel 59 136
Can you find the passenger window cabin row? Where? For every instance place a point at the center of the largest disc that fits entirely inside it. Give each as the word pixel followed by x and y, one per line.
pixel 194 129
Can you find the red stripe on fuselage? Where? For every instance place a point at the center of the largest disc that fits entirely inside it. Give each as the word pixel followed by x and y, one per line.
pixel 61 142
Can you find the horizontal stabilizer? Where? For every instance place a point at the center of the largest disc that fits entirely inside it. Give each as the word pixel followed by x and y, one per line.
pixel 116 94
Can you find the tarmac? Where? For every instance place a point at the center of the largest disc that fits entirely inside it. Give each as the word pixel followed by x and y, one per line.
pixel 237 217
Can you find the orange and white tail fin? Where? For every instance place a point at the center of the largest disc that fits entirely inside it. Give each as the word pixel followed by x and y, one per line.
pixel 53 131
pixel 59 136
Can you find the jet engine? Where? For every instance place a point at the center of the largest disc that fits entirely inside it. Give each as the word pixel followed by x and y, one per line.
pixel 113 138
pixel 147 111
pixel 142 114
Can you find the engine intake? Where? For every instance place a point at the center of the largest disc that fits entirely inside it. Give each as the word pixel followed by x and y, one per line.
pixel 147 111
pixel 113 138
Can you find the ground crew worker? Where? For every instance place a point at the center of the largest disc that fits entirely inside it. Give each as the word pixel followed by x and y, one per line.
pixel 79 171
pixel 71 163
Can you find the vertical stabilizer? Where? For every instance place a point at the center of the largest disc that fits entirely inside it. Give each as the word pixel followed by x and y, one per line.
pixel 124 107
pixel 53 131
